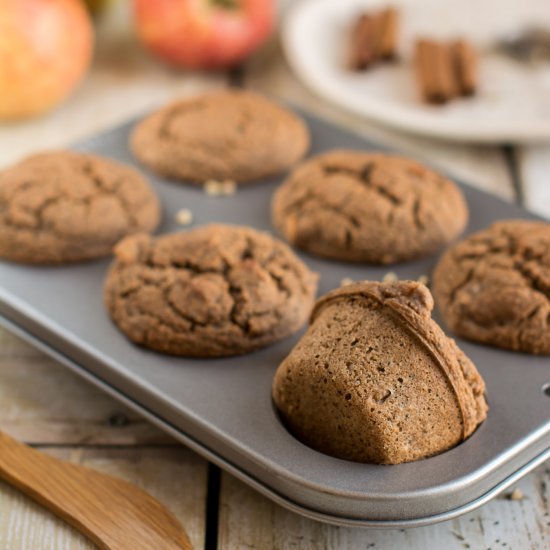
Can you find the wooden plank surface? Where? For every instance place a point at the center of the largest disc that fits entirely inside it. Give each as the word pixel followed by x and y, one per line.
pixel 43 403
pixel 249 520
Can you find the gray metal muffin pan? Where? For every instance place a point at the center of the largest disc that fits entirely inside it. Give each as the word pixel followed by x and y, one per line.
pixel 222 408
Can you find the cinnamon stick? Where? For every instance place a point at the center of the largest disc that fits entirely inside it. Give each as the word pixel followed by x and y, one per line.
pixel 389 24
pixel 362 43
pixel 373 38
pixel 435 72
pixel 465 66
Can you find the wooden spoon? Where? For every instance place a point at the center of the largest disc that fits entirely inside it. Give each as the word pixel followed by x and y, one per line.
pixel 113 514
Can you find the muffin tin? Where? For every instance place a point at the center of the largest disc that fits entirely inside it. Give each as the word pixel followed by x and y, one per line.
pixel 222 408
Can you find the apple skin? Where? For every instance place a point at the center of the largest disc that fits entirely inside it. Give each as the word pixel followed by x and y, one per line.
pixel 45 50
pixel 202 34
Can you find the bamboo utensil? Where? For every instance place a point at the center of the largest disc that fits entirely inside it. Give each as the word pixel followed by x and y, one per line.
pixel 112 513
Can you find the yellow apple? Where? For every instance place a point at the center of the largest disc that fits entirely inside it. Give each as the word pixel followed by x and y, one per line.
pixel 45 50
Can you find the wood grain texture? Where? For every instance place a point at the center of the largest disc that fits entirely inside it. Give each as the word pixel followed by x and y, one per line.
pixel 112 513
pixel 248 520
pixel 41 402
pixel 174 476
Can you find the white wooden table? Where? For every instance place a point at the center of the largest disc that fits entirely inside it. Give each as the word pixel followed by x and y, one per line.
pixel 47 406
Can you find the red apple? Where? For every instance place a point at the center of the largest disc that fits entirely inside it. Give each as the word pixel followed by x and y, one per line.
pixel 203 34
pixel 45 50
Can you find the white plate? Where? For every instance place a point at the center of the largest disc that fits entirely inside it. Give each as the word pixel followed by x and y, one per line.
pixel 513 103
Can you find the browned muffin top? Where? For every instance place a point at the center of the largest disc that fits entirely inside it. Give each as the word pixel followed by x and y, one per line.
pixel 233 134
pixel 64 206
pixel 368 207
pixel 213 291
pixel 494 286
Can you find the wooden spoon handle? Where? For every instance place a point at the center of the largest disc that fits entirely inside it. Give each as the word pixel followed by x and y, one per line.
pixel 112 513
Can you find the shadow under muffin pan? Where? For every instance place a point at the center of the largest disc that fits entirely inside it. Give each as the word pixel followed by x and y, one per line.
pixel 222 408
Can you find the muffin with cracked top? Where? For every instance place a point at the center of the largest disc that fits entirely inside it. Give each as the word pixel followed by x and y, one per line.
pixel 368 207
pixel 214 291
pixel 494 286
pixel 62 206
pixel 229 135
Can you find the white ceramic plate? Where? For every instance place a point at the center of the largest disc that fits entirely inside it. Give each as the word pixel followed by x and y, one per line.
pixel 513 103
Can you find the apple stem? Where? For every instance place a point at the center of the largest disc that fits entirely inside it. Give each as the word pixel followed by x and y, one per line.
pixel 226 4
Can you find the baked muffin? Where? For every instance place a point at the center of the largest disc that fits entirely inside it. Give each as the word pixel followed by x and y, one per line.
pixel 230 135
pixel 368 207
pixel 63 206
pixel 494 286
pixel 215 291
pixel 376 380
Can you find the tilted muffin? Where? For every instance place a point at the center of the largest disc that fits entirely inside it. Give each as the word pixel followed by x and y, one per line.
pixel 368 207
pixel 63 206
pixel 494 286
pixel 376 380
pixel 229 135
pixel 217 290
